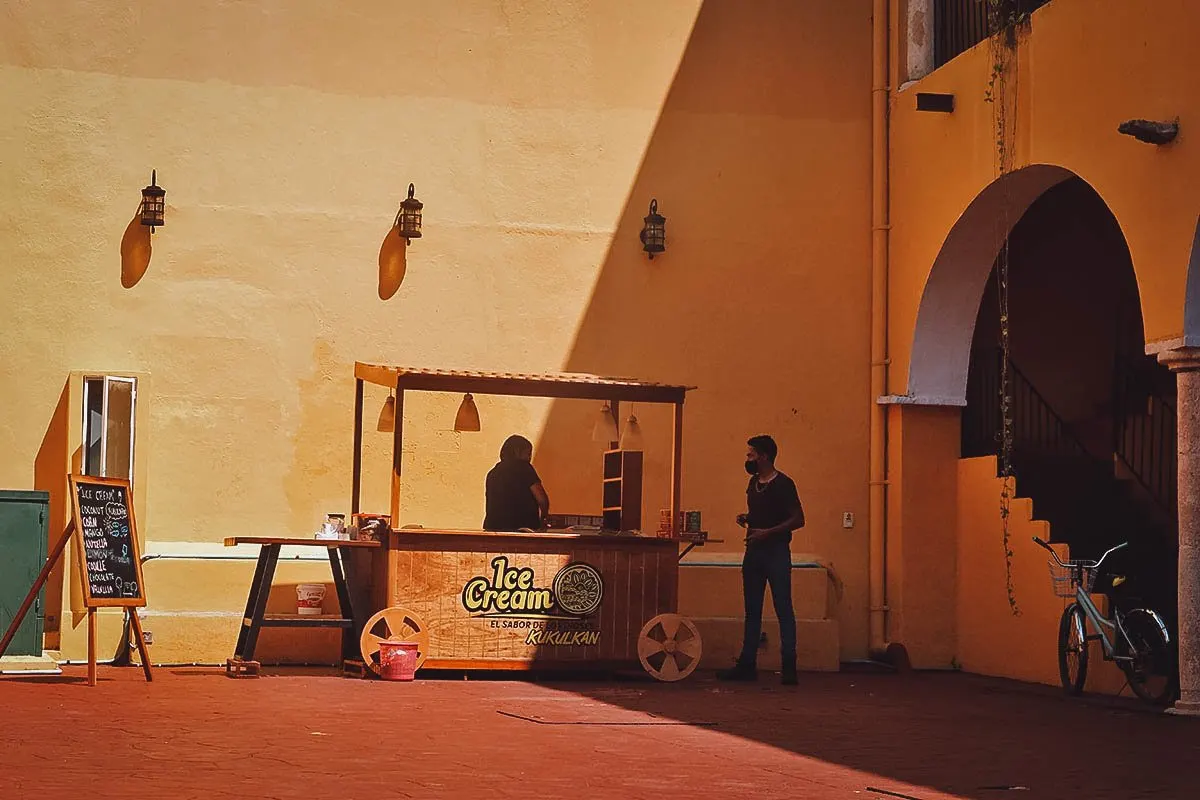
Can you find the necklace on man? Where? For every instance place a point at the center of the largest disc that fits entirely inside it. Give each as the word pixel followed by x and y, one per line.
pixel 760 485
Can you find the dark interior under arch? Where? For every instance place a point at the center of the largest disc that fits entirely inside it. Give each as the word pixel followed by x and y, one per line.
pixel 1093 417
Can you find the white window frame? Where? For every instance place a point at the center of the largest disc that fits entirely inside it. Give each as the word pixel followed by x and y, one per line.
pixel 107 383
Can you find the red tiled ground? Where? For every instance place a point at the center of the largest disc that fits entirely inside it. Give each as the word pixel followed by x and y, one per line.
pixel 197 734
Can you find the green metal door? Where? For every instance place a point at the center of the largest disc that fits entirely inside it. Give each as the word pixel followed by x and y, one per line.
pixel 24 520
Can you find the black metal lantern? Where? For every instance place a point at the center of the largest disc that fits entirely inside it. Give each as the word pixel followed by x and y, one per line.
pixel 153 203
pixel 408 218
pixel 654 233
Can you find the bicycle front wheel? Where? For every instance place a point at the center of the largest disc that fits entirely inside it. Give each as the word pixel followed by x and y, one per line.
pixel 1072 649
pixel 1151 671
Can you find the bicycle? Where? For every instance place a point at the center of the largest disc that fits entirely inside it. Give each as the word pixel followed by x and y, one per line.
pixel 1137 640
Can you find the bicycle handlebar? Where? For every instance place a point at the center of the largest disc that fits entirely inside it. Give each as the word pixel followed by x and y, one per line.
pixel 1042 543
pixel 1088 564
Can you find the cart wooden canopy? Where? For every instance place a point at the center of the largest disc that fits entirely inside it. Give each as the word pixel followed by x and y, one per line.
pixel 564 386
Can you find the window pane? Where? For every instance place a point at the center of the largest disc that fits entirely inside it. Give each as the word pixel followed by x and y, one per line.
pixel 118 448
pixel 93 425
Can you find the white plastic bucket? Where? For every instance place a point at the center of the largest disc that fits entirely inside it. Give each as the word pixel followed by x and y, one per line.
pixel 309 597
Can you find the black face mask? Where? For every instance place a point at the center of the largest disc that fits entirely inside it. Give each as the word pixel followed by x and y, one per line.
pixel 752 467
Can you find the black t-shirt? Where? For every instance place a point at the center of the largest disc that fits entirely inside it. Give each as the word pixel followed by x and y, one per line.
pixel 510 503
pixel 772 503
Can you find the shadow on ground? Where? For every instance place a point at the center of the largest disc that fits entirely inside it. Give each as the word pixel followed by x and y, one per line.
pixel 959 734
pixel 300 733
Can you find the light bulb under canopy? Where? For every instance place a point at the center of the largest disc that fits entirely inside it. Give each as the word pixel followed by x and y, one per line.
pixel 631 436
pixel 387 416
pixel 605 429
pixel 467 418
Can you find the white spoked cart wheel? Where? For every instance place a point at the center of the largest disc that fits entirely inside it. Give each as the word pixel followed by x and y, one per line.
pixel 395 624
pixel 669 647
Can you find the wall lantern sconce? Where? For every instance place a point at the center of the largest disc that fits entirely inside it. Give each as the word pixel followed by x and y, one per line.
pixel 153 203
pixel 408 218
pixel 654 233
pixel 1144 130
pixel 467 418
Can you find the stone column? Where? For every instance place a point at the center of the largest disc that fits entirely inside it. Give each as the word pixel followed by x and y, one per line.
pixel 1185 363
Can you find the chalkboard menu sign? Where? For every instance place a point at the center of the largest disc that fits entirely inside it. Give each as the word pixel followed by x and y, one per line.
pixel 108 554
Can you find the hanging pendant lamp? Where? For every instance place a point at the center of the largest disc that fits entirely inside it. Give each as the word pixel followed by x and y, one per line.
pixel 631 436
pixel 387 415
pixel 467 418
pixel 605 429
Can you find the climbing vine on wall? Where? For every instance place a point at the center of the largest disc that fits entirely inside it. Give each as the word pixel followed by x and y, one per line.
pixel 1004 21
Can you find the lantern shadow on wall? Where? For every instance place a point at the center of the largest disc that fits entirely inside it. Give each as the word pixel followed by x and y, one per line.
pixel 135 251
pixel 393 262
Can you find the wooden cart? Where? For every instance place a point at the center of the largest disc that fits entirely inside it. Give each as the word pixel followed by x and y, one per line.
pixel 523 601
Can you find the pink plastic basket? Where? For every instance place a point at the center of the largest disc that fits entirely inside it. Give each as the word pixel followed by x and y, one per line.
pixel 397 660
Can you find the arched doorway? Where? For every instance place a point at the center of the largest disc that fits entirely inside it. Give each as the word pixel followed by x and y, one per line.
pixel 1093 418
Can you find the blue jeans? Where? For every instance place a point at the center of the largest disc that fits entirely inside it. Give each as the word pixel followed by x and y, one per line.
pixel 768 563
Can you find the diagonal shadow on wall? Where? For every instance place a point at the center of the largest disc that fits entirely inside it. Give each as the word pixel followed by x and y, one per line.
pixel 760 160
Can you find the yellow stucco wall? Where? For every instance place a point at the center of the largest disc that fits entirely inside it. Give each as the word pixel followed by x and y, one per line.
pixel 285 134
pixel 1081 71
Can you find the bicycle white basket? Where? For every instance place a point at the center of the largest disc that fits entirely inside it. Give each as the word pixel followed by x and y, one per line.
pixel 1062 578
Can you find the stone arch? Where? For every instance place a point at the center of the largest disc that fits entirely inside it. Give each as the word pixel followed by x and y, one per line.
pixel 941 348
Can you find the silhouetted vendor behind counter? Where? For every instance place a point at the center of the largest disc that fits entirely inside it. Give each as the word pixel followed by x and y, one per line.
pixel 515 496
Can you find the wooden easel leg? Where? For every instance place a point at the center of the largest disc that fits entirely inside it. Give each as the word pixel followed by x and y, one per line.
pixel 141 642
pixel 91 623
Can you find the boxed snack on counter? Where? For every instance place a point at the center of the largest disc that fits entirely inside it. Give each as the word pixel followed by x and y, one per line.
pixel 372 527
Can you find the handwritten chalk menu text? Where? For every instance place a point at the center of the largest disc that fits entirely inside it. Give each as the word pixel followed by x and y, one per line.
pixel 108 539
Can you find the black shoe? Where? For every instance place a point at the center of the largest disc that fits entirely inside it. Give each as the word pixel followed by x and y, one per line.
pixel 789 676
pixel 738 673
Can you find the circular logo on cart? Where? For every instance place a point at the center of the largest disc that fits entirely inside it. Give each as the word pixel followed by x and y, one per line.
pixel 578 588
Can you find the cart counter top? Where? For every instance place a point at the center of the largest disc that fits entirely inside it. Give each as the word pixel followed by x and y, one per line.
pixel 399 537
pixel 295 541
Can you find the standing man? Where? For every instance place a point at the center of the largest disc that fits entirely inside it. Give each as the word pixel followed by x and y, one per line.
pixel 773 512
